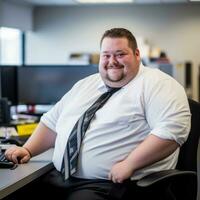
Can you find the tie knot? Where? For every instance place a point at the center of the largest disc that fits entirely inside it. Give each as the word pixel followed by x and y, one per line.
pixel 112 90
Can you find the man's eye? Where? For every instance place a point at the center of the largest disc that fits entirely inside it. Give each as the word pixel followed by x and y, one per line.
pixel 106 56
pixel 120 55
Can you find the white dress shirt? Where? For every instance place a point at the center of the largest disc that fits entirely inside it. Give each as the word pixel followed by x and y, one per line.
pixel 152 103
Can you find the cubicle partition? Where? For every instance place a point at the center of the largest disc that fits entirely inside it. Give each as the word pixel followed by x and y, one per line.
pixel 40 84
pixel 47 84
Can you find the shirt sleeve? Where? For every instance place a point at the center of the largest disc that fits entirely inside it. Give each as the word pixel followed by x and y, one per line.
pixel 167 110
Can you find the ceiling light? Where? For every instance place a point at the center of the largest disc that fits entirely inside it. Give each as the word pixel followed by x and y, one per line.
pixel 104 1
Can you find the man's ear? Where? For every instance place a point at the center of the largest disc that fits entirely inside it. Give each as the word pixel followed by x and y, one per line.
pixel 137 54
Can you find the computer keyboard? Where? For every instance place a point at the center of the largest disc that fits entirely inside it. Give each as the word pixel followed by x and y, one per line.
pixel 4 163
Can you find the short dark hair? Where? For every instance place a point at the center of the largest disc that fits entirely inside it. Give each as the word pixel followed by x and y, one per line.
pixel 121 33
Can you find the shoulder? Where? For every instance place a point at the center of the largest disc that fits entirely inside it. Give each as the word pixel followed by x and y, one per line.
pixel 154 77
pixel 160 87
pixel 153 73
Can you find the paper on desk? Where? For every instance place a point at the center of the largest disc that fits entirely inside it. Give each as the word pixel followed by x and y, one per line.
pixel 8 131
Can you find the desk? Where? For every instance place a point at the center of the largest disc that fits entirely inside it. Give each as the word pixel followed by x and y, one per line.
pixel 12 180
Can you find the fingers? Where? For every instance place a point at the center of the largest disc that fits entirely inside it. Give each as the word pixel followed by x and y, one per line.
pixel 115 178
pixel 25 159
pixel 14 157
pixel 11 154
pixel 17 155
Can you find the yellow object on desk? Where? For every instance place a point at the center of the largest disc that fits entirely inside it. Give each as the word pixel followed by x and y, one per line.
pixel 26 129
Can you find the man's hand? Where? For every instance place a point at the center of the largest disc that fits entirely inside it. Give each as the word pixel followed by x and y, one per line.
pixel 18 154
pixel 121 171
pixel 151 150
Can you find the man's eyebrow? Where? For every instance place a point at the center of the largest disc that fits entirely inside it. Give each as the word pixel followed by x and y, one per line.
pixel 105 51
pixel 120 51
pixel 117 51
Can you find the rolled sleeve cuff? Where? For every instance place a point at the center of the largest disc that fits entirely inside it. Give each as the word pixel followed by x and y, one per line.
pixel 179 136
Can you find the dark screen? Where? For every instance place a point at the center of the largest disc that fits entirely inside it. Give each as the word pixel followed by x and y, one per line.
pixel 47 84
pixel 8 79
pixel 188 74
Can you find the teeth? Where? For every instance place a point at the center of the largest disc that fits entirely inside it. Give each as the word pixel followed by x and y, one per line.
pixel 114 67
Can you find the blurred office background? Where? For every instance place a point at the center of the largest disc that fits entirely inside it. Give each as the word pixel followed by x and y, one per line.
pixel 62 32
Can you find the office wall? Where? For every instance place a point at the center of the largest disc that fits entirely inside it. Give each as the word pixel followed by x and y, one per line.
pixel 15 15
pixel 58 31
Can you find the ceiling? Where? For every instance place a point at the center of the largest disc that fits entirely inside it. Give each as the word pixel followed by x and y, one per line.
pixel 74 2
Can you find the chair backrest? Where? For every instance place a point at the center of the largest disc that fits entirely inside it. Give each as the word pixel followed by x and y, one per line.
pixel 187 160
pixel 188 152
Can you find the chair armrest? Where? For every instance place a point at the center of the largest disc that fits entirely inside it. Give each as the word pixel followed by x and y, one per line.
pixel 163 176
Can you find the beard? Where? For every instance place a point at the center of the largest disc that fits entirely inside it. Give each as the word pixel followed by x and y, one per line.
pixel 115 79
pixel 115 73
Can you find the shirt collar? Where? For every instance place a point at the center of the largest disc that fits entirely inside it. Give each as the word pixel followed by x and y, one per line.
pixel 102 87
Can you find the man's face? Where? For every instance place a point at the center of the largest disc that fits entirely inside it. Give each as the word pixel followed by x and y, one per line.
pixel 118 63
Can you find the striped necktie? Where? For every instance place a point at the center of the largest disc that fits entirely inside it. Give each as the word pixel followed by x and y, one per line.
pixel 70 160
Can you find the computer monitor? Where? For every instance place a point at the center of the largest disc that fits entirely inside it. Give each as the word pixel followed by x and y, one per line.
pixel 38 85
pixel 168 68
pixel 8 83
pixel 4 111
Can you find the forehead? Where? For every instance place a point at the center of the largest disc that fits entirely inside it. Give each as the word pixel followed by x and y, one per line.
pixel 109 44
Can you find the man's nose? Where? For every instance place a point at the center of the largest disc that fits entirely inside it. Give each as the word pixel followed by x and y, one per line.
pixel 113 60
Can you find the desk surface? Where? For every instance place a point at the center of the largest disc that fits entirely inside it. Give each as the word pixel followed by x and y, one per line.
pixel 12 180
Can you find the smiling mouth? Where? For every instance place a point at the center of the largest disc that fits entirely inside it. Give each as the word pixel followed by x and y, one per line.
pixel 115 67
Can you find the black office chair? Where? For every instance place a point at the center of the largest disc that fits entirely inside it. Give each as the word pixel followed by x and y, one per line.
pixel 183 182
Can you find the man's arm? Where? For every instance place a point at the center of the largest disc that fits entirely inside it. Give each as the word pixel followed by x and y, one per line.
pixel 42 139
pixel 151 150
